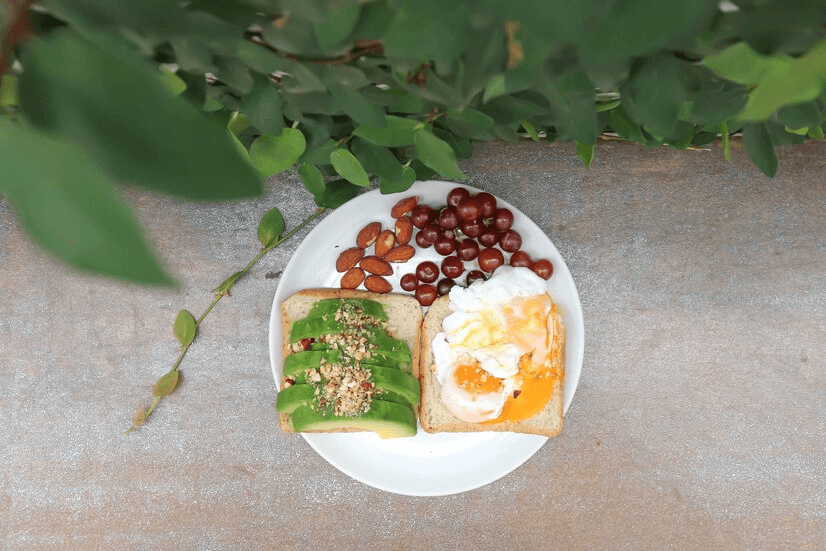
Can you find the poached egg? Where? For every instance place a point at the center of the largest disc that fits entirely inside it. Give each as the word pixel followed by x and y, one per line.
pixel 493 356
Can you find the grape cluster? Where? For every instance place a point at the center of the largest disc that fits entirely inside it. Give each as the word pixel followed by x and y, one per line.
pixel 469 227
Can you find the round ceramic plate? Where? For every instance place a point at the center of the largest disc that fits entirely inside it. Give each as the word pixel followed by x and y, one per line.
pixel 425 464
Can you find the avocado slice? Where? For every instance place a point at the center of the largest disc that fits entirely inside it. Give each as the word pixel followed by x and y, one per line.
pixel 387 419
pixel 328 307
pixel 293 396
pixel 387 348
pixel 313 327
pixel 300 361
pixel 393 385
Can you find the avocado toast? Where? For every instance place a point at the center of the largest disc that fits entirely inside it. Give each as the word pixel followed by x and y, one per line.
pixel 351 362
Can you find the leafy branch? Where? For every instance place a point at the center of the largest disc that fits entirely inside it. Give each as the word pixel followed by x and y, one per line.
pixel 185 327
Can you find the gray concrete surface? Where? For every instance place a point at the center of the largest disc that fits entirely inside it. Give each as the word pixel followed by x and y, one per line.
pixel 698 423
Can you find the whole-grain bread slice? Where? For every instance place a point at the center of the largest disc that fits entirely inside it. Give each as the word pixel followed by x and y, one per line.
pixel 434 416
pixel 404 321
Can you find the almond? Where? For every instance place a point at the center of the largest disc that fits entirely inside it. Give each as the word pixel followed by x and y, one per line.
pixel 368 234
pixel 376 265
pixel 352 278
pixel 402 253
pixel 349 258
pixel 377 284
pixel 404 230
pixel 384 242
pixel 404 206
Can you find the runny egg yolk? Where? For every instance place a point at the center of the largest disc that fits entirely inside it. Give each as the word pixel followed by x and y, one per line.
pixel 475 380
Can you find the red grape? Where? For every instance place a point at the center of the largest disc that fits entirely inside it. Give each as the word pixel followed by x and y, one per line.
pixel 444 245
pixel 427 272
pixel 487 202
pixel 474 275
pixel 421 215
pixel 472 228
pixel 521 258
pixel 543 268
pixel 490 259
pixel 447 218
pixel 489 238
pixel 409 282
pixel 455 195
pixel 452 267
pixel 467 249
pixel 426 294
pixel 444 285
pixel 502 219
pixel 468 208
pixel 421 241
pixel 510 241
pixel 431 232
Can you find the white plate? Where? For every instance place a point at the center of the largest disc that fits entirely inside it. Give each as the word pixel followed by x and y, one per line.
pixel 426 464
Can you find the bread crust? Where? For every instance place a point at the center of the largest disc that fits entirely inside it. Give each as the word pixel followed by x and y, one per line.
pixel 435 417
pixel 404 322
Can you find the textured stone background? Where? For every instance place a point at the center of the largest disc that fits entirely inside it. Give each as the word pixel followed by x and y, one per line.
pixel 699 422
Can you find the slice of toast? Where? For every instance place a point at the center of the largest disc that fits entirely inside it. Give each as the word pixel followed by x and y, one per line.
pixel 404 321
pixel 434 416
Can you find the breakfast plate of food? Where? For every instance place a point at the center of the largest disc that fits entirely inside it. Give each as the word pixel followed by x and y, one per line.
pixel 426 343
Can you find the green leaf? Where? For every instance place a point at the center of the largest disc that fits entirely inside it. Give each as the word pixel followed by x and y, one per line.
pixel 469 123
pixel 799 131
pixel 349 168
pixel 223 288
pixel 8 91
pixel 263 106
pixel 510 109
pixel 437 154
pixel 192 55
pixel 422 172
pixel 585 152
pixel 398 132
pixel 184 328
pixel 320 155
pixel 726 143
pixel 378 160
pixel 128 121
pixel 624 126
pixel 238 123
pixel 760 147
pixel 69 206
pixel 684 140
pixel 166 384
pixel 654 94
pixel 428 29
pixel 609 34
pixel 259 58
pixel 356 106
pixel 173 82
pixel 777 80
pixel 337 25
pixel 273 154
pixel 571 96
pixel 816 132
pixel 408 176
pixel 336 193
pixel 270 227
pixel 495 87
pixel 607 106
pixel 312 178
pixel 801 115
